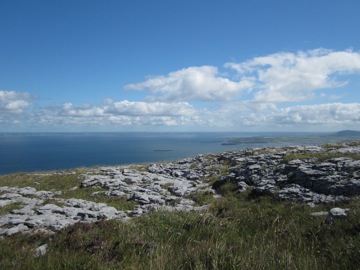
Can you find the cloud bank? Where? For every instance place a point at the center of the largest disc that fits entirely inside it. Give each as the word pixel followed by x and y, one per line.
pixel 282 91
pixel 193 83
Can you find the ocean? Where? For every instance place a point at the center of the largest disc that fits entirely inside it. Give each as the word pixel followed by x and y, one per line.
pixel 29 152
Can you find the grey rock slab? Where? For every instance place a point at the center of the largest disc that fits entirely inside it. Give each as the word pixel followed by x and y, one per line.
pixel 16 220
pixel 178 190
pixel 352 150
pixel 41 251
pixel 27 210
pixel 6 202
pixel 319 214
pixel 115 193
pixel 10 196
pixel 349 187
pixel 295 192
pixel 338 212
pixel 242 186
pixel 266 186
pixel 50 208
pixel 144 198
pixel 20 228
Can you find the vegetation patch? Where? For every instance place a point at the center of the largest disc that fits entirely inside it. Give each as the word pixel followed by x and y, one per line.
pixel 48 181
pixel 119 202
pixel 166 186
pixel 202 197
pixel 237 232
pixel 6 209
pixel 341 145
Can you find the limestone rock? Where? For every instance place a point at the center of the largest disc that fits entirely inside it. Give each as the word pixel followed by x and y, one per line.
pixel 41 251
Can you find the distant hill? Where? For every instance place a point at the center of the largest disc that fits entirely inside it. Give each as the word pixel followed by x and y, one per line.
pixel 348 133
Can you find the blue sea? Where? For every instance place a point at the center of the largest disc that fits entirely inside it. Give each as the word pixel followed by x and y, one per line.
pixel 29 152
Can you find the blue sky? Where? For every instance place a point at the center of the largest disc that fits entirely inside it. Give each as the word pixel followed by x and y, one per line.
pixel 200 65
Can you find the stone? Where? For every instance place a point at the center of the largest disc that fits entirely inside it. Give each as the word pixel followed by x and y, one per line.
pixel 339 212
pixel 319 214
pixel 266 187
pixel 41 251
pixel 6 202
pixel 20 228
pixel 296 192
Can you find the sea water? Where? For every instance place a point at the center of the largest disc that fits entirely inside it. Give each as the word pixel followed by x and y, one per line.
pixel 29 152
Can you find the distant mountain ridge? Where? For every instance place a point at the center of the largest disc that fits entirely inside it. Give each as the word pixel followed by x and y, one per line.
pixel 348 133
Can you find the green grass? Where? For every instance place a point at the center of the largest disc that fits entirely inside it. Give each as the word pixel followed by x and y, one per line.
pixel 201 197
pixel 68 184
pixel 340 145
pixel 10 207
pixel 237 232
pixel 44 181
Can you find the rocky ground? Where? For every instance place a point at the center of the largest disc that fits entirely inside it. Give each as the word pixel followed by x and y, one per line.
pixel 171 186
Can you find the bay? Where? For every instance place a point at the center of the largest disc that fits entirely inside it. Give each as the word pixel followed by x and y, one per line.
pixel 29 152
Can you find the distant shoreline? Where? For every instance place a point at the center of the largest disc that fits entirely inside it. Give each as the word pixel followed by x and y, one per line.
pixel 54 151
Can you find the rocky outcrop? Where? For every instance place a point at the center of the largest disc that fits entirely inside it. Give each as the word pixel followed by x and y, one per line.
pixel 170 186
pixel 309 180
pixel 162 187
pixel 34 213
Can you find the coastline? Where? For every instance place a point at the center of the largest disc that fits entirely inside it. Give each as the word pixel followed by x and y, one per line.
pixel 59 151
pixel 310 174
pixel 193 204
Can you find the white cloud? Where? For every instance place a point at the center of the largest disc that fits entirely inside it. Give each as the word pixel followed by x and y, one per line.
pixel 82 111
pixel 279 77
pixel 127 108
pixel 120 113
pixel 150 108
pixel 193 83
pixel 231 116
pixel 322 114
pixel 285 77
pixel 13 102
pixel 244 115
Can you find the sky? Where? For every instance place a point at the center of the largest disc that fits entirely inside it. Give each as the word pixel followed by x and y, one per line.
pixel 179 65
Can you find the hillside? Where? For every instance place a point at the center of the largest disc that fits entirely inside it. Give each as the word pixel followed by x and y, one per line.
pixel 265 208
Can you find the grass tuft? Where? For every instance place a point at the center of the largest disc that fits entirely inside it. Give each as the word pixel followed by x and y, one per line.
pixel 10 207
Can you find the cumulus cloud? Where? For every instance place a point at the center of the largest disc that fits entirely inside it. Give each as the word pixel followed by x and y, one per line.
pixel 13 102
pixel 322 114
pixel 272 117
pixel 150 108
pixel 274 78
pixel 194 83
pixel 120 113
pixel 289 77
pixel 127 108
